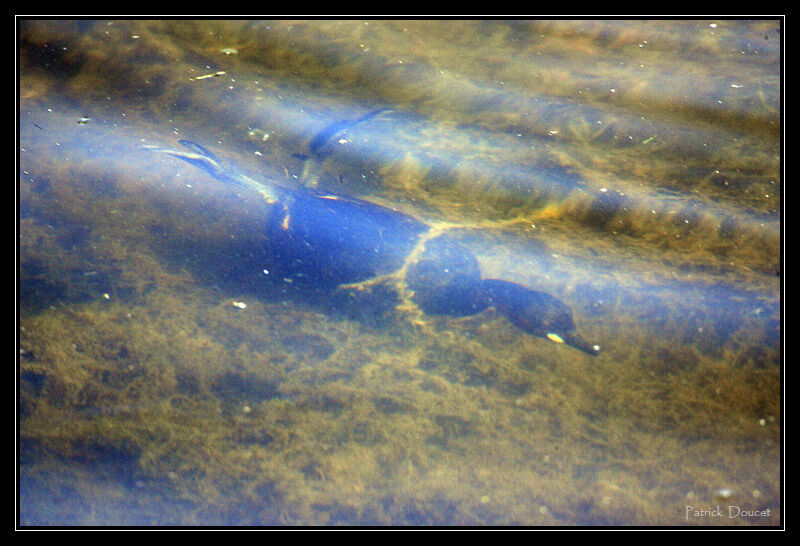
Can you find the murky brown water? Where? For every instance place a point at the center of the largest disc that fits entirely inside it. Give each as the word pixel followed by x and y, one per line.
pixel 631 169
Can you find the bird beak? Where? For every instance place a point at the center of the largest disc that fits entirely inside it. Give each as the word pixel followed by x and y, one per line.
pixel 576 341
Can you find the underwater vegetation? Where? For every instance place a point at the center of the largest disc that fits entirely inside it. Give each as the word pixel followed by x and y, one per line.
pixel 177 368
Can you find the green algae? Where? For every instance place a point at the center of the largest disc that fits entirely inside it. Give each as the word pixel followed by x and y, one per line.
pixel 208 406
pixel 164 403
pixel 378 434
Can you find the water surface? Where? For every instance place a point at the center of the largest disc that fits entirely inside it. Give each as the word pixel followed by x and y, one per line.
pixel 629 168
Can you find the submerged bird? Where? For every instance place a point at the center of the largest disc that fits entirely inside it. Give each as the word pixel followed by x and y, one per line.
pixel 327 133
pixel 333 242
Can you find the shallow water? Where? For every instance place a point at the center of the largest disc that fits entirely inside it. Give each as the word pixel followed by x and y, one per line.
pixel 629 168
